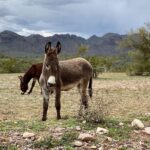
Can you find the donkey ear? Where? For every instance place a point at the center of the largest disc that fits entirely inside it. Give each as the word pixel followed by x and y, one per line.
pixel 47 46
pixel 58 46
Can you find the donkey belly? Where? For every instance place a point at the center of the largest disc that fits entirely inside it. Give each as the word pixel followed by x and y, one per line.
pixel 69 86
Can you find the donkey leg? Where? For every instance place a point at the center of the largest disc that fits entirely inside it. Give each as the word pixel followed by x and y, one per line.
pixel 80 112
pixel 57 102
pixel 40 86
pixel 45 104
pixel 32 86
pixel 84 97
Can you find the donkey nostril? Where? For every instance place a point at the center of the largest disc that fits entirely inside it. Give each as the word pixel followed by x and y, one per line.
pixel 50 84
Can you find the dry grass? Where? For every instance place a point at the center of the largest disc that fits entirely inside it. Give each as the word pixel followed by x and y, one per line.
pixel 130 96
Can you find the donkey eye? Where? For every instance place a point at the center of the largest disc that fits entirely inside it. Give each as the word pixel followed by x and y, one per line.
pixel 48 67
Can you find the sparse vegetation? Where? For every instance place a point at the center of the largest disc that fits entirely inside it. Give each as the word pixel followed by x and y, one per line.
pixel 99 109
pixel 116 98
pixel 46 143
pixel 99 63
pixel 139 43
pixel 15 65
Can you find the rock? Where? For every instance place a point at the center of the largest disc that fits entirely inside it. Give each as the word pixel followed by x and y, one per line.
pixel 147 130
pixel 137 123
pixel 58 129
pixel 4 139
pixel 84 121
pixel 109 139
pixel 11 140
pixel 40 139
pixel 121 124
pixel 92 148
pixel 147 114
pixel 86 137
pixel 136 131
pixel 100 148
pixel 101 131
pixel 16 134
pixel 78 143
pixel 78 128
pixel 28 135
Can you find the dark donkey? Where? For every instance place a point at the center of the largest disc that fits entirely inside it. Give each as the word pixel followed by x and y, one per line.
pixel 33 72
pixel 62 76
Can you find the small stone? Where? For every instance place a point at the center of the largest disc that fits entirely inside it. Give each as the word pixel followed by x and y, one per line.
pixel 40 139
pixel 93 147
pixel 28 135
pixel 84 121
pixel 78 128
pixel 147 130
pixel 78 143
pixel 136 131
pixel 86 137
pixel 58 129
pixel 101 130
pixel 4 139
pixel 137 123
pixel 11 140
pixel 28 140
pixel 109 139
pixel 147 114
pixel 16 134
pixel 121 124
pixel 100 148
pixel 33 138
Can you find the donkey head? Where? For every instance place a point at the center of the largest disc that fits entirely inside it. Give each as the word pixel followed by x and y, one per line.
pixel 51 64
pixel 23 85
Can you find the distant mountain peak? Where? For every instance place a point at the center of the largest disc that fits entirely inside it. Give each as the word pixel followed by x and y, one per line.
pixel 9 33
pixel 93 37
pixel 14 44
pixel 36 35
pixel 108 35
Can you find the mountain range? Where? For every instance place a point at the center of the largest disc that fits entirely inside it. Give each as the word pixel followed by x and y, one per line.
pixel 13 44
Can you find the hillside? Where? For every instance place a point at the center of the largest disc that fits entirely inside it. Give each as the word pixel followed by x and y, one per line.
pixel 12 44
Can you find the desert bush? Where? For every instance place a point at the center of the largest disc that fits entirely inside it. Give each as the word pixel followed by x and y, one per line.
pixel 138 42
pixel 98 110
pixel 15 65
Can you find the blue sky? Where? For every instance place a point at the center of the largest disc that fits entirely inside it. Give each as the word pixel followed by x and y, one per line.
pixel 80 17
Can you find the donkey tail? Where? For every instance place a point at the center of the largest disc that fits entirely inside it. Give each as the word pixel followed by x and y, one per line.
pixel 90 88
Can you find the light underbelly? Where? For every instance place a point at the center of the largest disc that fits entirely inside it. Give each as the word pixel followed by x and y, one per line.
pixel 69 86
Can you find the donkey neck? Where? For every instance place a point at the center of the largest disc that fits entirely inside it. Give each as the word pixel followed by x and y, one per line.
pixel 29 75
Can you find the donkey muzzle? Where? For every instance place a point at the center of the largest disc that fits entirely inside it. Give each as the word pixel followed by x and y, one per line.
pixel 51 80
pixel 50 85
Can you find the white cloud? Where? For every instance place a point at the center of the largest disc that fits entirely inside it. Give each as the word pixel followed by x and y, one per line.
pixel 27 32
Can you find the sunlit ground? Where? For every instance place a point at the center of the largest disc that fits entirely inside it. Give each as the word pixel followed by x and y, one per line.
pixel 130 97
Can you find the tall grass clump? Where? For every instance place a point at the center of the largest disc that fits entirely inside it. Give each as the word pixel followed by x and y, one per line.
pixel 98 110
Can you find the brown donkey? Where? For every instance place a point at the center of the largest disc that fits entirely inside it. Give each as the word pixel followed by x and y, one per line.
pixel 33 72
pixel 62 76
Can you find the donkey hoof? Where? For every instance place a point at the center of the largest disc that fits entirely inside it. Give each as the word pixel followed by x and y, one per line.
pixel 44 119
pixel 58 117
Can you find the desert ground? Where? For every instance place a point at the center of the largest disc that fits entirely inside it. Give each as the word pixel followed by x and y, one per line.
pixel 123 97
